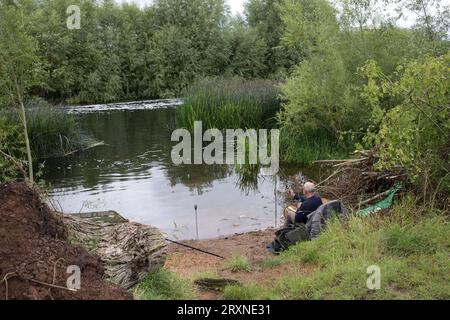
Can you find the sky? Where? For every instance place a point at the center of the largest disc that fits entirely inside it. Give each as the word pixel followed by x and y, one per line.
pixel 237 6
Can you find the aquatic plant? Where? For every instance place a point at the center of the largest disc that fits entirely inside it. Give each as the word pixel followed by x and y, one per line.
pixel 230 104
pixel 52 131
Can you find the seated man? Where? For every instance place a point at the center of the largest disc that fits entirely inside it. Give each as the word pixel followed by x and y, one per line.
pixel 308 203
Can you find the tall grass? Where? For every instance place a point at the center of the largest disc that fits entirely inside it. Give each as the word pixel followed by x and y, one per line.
pixel 412 251
pixel 230 104
pixel 238 263
pixel 306 148
pixel 52 131
pixel 164 285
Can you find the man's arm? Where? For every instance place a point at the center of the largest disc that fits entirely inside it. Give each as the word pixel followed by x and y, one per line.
pixel 299 197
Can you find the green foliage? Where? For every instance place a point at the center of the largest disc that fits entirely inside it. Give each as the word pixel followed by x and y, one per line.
pixel 265 21
pixel 174 60
pixel 20 66
pixel 411 249
pixel 230 104
pixel 414 132
pixel 12 150
pixel 164 285
pixel 238 263
pixel 248 53
pixel 326 93
pixel 272 262
pixel 52 131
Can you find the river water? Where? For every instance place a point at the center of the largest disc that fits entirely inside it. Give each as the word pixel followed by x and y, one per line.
pixel 133 174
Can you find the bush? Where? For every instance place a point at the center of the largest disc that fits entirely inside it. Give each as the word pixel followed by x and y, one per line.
pixel 415 132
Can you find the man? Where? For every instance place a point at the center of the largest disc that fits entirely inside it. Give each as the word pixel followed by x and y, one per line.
pixel 308 203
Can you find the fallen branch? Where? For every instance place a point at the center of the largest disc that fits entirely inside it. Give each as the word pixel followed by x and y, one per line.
pixel 378 196
pixel 350 162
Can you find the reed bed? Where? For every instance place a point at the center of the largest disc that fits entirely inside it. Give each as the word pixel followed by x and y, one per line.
pixel 230 104
pixel 52 131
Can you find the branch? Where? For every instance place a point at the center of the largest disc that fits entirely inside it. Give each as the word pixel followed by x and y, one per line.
pixel 15 161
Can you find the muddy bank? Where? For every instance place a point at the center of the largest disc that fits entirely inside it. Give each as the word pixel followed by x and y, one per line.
pixel 191 265
pixel 35 253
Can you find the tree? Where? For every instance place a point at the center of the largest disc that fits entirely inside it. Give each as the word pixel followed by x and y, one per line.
pixel 20 66
pixel 248 52
pixel 202 23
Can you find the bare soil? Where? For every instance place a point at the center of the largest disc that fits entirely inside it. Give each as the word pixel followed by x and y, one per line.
pixel 190 264
pixel 35 253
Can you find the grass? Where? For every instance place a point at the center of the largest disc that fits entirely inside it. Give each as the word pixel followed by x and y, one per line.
pixel 272 262
pixel 52 131
pixel 412 251
pixel 164 285
pixel 306 148
pixel 230 104
pixel 238 263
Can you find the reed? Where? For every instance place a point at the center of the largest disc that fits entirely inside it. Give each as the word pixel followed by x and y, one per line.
pixel 306 148
pixel 230 104
pixel 52 131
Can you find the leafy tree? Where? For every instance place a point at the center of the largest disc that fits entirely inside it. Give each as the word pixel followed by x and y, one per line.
pixel 201 22
pixel 20 67
pixel 248 53
pixel 174 61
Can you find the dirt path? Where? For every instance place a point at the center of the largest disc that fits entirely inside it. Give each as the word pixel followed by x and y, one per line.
pixel 190 264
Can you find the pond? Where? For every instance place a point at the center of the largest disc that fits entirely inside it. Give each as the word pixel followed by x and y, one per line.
pixel 133 174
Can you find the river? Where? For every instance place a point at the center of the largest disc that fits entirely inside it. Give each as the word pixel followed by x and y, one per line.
pixel 133 174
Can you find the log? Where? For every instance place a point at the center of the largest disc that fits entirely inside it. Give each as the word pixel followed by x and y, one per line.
pixel 130 251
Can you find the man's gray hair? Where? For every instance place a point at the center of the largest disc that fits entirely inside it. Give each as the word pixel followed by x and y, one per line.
pixel 309 187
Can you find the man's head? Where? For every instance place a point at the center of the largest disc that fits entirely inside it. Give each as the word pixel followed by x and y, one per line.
pixel 309 189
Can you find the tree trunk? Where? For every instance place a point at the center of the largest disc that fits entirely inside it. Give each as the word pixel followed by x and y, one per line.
pixel 25 131
pixel 129 251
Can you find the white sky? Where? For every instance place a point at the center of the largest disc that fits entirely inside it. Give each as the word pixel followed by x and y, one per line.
pixel 237 6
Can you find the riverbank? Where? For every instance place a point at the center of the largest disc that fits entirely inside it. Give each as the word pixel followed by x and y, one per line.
pixel 35 254
pixel 193 265
pixel 408 244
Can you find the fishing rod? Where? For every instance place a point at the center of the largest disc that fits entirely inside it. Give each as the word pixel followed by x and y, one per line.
pixel 193 248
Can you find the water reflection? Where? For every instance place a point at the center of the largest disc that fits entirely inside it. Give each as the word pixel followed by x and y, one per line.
pixel 134 175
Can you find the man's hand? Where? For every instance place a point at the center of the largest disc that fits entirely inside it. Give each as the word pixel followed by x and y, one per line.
pixel 291 193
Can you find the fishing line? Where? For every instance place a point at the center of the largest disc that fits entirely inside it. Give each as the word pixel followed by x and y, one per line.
pixel 193 248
